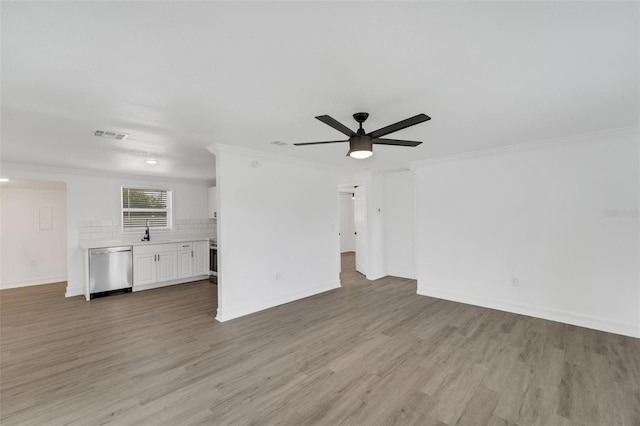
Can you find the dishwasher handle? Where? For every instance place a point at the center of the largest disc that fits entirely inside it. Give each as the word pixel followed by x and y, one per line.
pixel 107 250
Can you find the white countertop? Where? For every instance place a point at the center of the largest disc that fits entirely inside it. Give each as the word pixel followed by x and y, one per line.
pixel 90 244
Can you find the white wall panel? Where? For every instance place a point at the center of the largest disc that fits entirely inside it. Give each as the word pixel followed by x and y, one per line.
pixel 542 216
pixel 278 224
pixel 399 226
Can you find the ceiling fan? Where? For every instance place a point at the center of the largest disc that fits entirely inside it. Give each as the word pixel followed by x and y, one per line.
pixel 361 143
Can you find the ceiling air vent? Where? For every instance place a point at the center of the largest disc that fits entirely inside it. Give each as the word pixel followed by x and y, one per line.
pixel 111 135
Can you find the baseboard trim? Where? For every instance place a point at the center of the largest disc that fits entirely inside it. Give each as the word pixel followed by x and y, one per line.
pixel 168 283
pixel 376 275
pixel 401 274
pixel 36 281
pixel 72 292
pixel 227 314
pixel 581 320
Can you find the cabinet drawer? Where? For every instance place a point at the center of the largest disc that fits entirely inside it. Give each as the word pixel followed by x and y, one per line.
pixel 155 248
pixel 185 246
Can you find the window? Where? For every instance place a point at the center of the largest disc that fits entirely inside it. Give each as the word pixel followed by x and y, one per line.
pixel 142 204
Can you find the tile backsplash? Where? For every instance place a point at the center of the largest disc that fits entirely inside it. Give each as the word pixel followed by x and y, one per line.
pixel 104 229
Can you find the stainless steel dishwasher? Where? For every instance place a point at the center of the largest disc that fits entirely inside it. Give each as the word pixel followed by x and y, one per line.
pixel 110 270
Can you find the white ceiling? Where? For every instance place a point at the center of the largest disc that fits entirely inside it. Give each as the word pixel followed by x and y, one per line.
pixel 179 76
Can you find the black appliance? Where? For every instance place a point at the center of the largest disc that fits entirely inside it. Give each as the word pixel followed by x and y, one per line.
pixel 213 261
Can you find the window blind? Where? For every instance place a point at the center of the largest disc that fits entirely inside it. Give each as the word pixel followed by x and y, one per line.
pixel 142 204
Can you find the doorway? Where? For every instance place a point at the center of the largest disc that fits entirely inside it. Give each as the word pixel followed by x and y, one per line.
pixel 34 233
pixel 353 228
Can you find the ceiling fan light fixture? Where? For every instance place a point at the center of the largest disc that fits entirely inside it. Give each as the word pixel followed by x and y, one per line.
pixel 361 142
pixel 360 155
pixel 360 147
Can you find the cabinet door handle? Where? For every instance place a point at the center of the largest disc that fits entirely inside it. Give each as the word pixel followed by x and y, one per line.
pixel 191 253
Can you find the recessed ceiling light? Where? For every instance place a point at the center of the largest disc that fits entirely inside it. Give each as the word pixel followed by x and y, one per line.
pixel 4 180
pixel 151 161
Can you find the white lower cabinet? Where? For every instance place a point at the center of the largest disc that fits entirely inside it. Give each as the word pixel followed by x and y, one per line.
pixel 167 266
pixel 156 265
pixel 193 259
pixel 201 258
pixel 145 269
pixel 185 260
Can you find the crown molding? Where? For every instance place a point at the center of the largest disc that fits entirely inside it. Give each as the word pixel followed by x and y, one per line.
pixel 218 148
pixel 623 131
pixel 96 173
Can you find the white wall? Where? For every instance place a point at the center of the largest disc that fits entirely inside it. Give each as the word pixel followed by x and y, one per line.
pixel 376 263
pixel 347 227
pixel 541 213
pixel 278 230
pixel 399 224
pixel 33 249
pixel 97 197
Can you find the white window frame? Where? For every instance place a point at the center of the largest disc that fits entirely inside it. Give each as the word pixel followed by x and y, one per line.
pixel 169 210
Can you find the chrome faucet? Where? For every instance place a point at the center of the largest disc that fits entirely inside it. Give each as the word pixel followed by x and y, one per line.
pixel 146 237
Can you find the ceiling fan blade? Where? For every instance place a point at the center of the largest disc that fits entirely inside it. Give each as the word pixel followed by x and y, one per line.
pixel 398 142
pixel 329 121
pixel 420 118
pixel 317 143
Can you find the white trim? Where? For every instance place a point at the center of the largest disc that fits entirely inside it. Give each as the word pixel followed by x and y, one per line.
pixel 168 283
pixel 35 281
pixel 573 318
pixel 72 292
pixel 250 308
pixel 400 274
pixel 216 148
pixel 522 146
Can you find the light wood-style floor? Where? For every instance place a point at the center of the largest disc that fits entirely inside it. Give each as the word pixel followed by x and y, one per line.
pixel 370 353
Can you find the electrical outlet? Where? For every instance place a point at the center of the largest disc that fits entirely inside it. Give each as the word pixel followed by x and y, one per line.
pixel 277 276
pixel 515 281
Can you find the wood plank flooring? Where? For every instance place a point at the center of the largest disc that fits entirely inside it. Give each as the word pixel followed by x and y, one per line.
pixel 370 353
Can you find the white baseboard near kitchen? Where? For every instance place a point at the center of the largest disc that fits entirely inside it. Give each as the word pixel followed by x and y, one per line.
pixel 581 320
pixel 35 281
pixel 72 292
pixel 250 308
pixel 168 283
